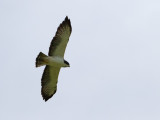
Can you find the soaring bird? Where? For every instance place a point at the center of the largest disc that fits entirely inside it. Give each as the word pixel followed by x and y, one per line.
pixel 55 59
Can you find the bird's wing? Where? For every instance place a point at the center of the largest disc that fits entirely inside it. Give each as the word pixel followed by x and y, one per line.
pixel 60 40
pixel 49 82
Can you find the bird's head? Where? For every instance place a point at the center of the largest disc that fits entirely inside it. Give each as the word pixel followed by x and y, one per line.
pixel 66 64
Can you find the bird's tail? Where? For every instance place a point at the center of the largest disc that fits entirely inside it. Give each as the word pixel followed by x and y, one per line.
pixel 40 60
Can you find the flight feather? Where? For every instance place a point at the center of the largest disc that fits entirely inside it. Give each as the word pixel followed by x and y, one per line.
pixel 61 38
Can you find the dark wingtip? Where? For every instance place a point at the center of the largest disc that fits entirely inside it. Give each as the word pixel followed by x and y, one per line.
pixel 67 21
pixel 47 97
pixel 66 17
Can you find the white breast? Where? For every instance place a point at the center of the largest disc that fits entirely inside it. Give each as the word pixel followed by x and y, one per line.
pixel 56 61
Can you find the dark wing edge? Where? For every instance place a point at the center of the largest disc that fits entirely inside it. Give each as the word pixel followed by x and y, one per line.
pixel 66 22
pixel 55 41
pixel 48 91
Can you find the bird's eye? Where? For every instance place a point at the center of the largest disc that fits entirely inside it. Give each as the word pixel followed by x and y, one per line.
pixel 66 62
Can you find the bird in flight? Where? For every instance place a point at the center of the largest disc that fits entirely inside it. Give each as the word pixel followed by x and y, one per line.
pixel 55 59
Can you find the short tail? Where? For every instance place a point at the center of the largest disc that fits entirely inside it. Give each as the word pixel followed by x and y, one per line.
pixel 40 60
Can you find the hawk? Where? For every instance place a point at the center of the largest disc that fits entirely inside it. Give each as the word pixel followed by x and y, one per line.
pixel 55 59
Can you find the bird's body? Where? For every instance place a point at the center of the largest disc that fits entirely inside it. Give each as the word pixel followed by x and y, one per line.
pixel 55 59
pixel 57 62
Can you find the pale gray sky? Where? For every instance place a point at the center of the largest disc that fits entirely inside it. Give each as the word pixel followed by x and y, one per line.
pixel 114 53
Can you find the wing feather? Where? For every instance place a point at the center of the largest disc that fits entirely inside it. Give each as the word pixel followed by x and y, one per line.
pixel 61 38
pixel 49 82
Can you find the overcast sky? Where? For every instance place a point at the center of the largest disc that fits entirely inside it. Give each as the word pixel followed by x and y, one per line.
pixel 114 53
